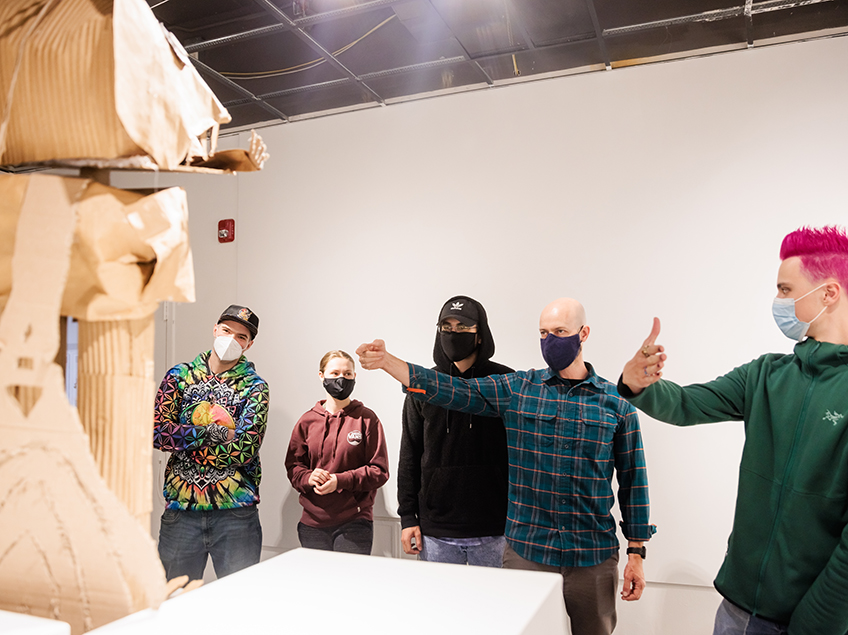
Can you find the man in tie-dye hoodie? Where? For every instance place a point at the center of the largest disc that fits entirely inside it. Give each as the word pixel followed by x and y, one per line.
pixel 210 414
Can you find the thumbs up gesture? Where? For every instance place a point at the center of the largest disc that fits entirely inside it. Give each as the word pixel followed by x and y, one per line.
pixel 645 368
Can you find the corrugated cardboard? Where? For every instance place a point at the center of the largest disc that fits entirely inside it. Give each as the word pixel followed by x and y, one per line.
pixel 99 79
pixel 69 549
pixel 115 394
pixel 130 251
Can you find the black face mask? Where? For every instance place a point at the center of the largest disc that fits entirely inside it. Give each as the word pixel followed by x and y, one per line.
pixel 457 346
pixel 339 387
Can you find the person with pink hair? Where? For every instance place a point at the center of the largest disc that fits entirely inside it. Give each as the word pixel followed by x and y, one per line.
pixel 786 566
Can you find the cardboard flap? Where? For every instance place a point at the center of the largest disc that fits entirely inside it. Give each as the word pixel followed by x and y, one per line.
pixel 129 251
pixel 238 160
pixel 161 100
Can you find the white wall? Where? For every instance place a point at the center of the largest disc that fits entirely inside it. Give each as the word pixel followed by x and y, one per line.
pixel 655 190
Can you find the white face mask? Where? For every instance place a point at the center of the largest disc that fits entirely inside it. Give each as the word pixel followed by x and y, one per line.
pixel 227 348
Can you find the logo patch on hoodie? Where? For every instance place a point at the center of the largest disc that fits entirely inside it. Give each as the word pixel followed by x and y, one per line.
pixel 833 417
pixel 354 437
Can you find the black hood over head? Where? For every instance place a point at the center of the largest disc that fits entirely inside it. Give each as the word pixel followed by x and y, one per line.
pixel 486 348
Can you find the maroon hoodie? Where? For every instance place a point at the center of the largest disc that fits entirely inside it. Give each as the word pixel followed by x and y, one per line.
pixel 349 444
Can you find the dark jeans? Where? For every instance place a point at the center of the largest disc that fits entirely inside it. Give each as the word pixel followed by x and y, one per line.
pixel 233 537
pixel 353 537
pixel 589 592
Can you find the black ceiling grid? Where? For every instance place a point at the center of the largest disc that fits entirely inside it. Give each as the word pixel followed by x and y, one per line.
pixel 284 60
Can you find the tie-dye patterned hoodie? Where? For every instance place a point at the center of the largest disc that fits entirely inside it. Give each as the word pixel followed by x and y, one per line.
pixel 193 414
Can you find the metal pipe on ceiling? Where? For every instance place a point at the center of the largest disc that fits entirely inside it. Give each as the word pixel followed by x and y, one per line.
pixel 748 10
pixel 201 67
pixel 712 16
pixel 338 82
pixel 299 23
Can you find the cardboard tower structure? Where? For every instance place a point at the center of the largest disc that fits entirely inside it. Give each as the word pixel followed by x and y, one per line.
pixel 98 85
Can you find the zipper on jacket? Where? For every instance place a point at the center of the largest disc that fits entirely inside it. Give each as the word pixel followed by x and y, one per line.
pixel 786 474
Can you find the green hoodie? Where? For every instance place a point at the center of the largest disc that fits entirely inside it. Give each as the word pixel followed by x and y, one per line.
pixel 787 556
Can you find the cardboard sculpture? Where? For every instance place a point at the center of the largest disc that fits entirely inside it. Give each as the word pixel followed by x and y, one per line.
pixel 129 253
pixel 95 84
pixel 97 78
pixel 69 549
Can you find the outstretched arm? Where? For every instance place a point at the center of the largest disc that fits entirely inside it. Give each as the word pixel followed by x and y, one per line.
pixel 486 396
pixel 374 355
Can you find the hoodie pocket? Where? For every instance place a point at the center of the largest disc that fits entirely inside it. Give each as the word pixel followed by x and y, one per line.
pixel 464 495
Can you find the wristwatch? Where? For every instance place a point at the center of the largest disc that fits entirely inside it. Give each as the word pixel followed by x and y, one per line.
pixel 642 551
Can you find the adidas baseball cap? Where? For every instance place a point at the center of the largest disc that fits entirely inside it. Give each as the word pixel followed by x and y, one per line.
pixel 242 315
pixel 462 308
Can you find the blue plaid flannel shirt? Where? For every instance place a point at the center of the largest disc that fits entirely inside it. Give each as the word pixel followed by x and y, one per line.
pixel 564 443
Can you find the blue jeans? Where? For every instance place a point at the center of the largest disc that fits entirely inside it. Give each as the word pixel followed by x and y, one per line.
pixel 487 554
pixel 233 537
pixel 353 537
pixel 731 620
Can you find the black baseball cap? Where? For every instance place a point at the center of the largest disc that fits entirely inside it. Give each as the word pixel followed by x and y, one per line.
pixel 462 308
pixel 242 315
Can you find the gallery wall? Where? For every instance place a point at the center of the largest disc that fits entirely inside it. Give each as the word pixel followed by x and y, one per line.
pixel 659 190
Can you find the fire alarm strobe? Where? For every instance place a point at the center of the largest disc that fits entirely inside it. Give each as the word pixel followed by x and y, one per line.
pixel 226 230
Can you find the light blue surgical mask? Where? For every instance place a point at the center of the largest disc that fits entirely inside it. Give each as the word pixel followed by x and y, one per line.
pixel 783 310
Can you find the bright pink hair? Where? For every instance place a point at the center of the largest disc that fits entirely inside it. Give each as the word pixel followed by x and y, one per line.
pixel 823 252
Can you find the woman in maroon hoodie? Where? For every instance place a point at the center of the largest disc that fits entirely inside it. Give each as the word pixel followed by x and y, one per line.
pixel 337 460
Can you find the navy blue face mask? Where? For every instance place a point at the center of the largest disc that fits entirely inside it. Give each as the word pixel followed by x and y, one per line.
pixel 560 352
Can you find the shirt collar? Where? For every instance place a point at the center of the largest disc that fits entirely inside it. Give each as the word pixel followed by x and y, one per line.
pixel 550 377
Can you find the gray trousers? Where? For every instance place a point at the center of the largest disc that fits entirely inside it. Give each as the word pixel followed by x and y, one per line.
pixel 589 592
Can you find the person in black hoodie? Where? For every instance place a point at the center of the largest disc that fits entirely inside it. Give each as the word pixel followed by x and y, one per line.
pixel 452 471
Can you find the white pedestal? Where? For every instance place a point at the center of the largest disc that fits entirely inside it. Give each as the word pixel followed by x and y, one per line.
pixel 307 591
pixel 21 624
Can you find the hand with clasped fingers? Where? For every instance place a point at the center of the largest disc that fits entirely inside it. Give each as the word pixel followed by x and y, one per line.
pixel 645 368
pixel 322 481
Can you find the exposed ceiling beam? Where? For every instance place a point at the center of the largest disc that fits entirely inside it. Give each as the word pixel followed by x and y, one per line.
pixel 345 12
pixel 337 82
pixel 474 63
pixel 250 97
pixel 299 23
pixel 518 24
pixel 307 39
pixel 748 10
pixel 599 34
pixel 712 16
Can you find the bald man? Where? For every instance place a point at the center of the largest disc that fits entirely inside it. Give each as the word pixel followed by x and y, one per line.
pixel 567 430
